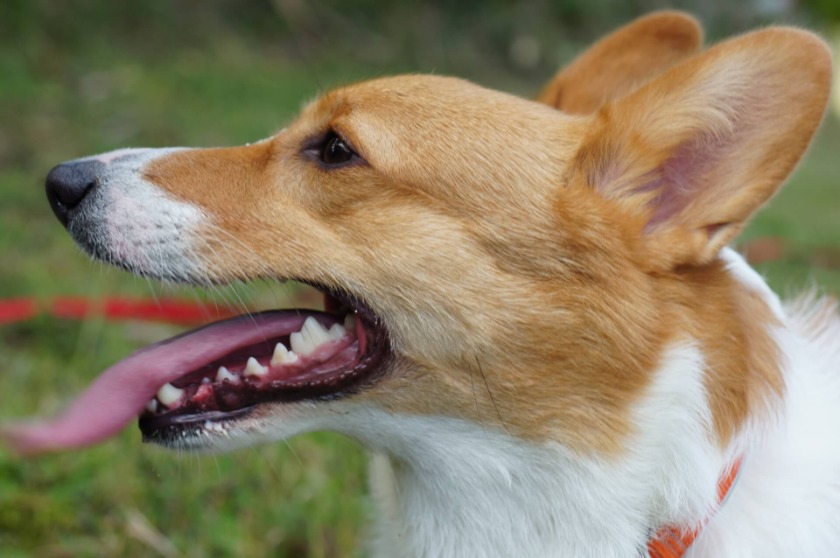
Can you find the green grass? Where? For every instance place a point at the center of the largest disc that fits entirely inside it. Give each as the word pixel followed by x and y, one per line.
pixel 124 499
pixel 805 216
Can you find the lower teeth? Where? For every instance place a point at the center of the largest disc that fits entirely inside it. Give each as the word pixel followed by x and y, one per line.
pixel 169 394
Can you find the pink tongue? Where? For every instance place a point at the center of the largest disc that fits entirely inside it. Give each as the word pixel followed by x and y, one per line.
pixel 120 393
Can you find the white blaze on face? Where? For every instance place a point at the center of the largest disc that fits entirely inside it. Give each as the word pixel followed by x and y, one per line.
pixel 111 156
pixel 143 226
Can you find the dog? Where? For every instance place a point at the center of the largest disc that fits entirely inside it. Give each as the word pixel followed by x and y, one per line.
pixel 532 318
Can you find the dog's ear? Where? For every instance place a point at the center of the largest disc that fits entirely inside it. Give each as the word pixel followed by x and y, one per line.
pixel 622 61
pixel 691 155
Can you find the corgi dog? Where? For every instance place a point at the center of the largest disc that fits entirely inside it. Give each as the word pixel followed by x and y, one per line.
pixel 532 318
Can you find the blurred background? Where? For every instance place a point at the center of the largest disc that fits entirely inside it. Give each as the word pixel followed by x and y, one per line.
pixel 87 76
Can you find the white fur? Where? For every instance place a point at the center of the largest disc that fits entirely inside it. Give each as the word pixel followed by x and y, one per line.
pixel 454 489
pixel 738 267
pixel 142 227
pixel 111 156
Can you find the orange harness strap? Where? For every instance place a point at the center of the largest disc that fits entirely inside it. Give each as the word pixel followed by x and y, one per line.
pixel 671 541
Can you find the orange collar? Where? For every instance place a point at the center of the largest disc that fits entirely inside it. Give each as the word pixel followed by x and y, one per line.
pixel 671 541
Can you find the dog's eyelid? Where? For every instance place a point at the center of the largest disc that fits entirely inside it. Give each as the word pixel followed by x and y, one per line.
pixel 343 137
pixel 331 149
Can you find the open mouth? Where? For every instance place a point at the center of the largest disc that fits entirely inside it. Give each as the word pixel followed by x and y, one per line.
pixel 220 373
pixel 273 356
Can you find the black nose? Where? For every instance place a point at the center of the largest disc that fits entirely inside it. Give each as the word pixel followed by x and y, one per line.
pixel 68 183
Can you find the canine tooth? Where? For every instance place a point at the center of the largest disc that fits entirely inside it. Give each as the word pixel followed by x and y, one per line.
pixel 224 374
pixel 301 344
pixel 282 355
pixel 318 334
pixel 254 368
pixel 169 394
pixel 337 331
pixel 350 322
pixel 152 405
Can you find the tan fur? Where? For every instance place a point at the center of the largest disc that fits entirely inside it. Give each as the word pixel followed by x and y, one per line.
pixel 622 61
pixel 483 224
pixel 743 362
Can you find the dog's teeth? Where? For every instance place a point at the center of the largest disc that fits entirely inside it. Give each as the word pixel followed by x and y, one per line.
pixel 282 355
pixel 169 394
pixel 350 322
pixel 337 331
pixel 301 344
pixel 310 336
pixel 254 368
pixel 224 374
pixel 318 334
pixel 152 405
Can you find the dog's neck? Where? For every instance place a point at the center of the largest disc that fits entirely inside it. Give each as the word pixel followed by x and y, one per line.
pixel 453 488
pixel 518 502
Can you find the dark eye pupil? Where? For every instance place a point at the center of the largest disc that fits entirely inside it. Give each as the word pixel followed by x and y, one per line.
pixel 336 151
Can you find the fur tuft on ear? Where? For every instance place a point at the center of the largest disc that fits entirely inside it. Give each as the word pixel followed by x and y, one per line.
pixel 622 61
pixel 691 155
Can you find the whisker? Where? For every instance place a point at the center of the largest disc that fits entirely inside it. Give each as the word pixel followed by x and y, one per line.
pixel 490 393
pixel 475 399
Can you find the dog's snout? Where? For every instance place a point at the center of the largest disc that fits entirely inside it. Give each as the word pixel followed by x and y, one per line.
pixel 68 183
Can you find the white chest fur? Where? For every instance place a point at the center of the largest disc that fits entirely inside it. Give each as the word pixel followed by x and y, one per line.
pixel 452 488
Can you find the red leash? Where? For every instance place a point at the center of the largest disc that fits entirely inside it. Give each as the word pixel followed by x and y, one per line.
pixel 17 309
pixel 166 310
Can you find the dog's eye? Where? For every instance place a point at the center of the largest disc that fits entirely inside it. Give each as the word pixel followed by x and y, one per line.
pixel 336 151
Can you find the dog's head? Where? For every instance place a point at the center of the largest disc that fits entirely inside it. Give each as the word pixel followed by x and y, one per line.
pixel 483 257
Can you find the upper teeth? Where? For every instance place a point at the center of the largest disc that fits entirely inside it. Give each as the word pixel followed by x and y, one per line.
pixel 169 394
pixel 282 355
pixel 310 336
pixel 254 368
pixel 304 342
pixel 337 331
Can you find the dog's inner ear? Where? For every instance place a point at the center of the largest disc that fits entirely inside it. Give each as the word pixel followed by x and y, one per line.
pixel 622 61
pixel 691 155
